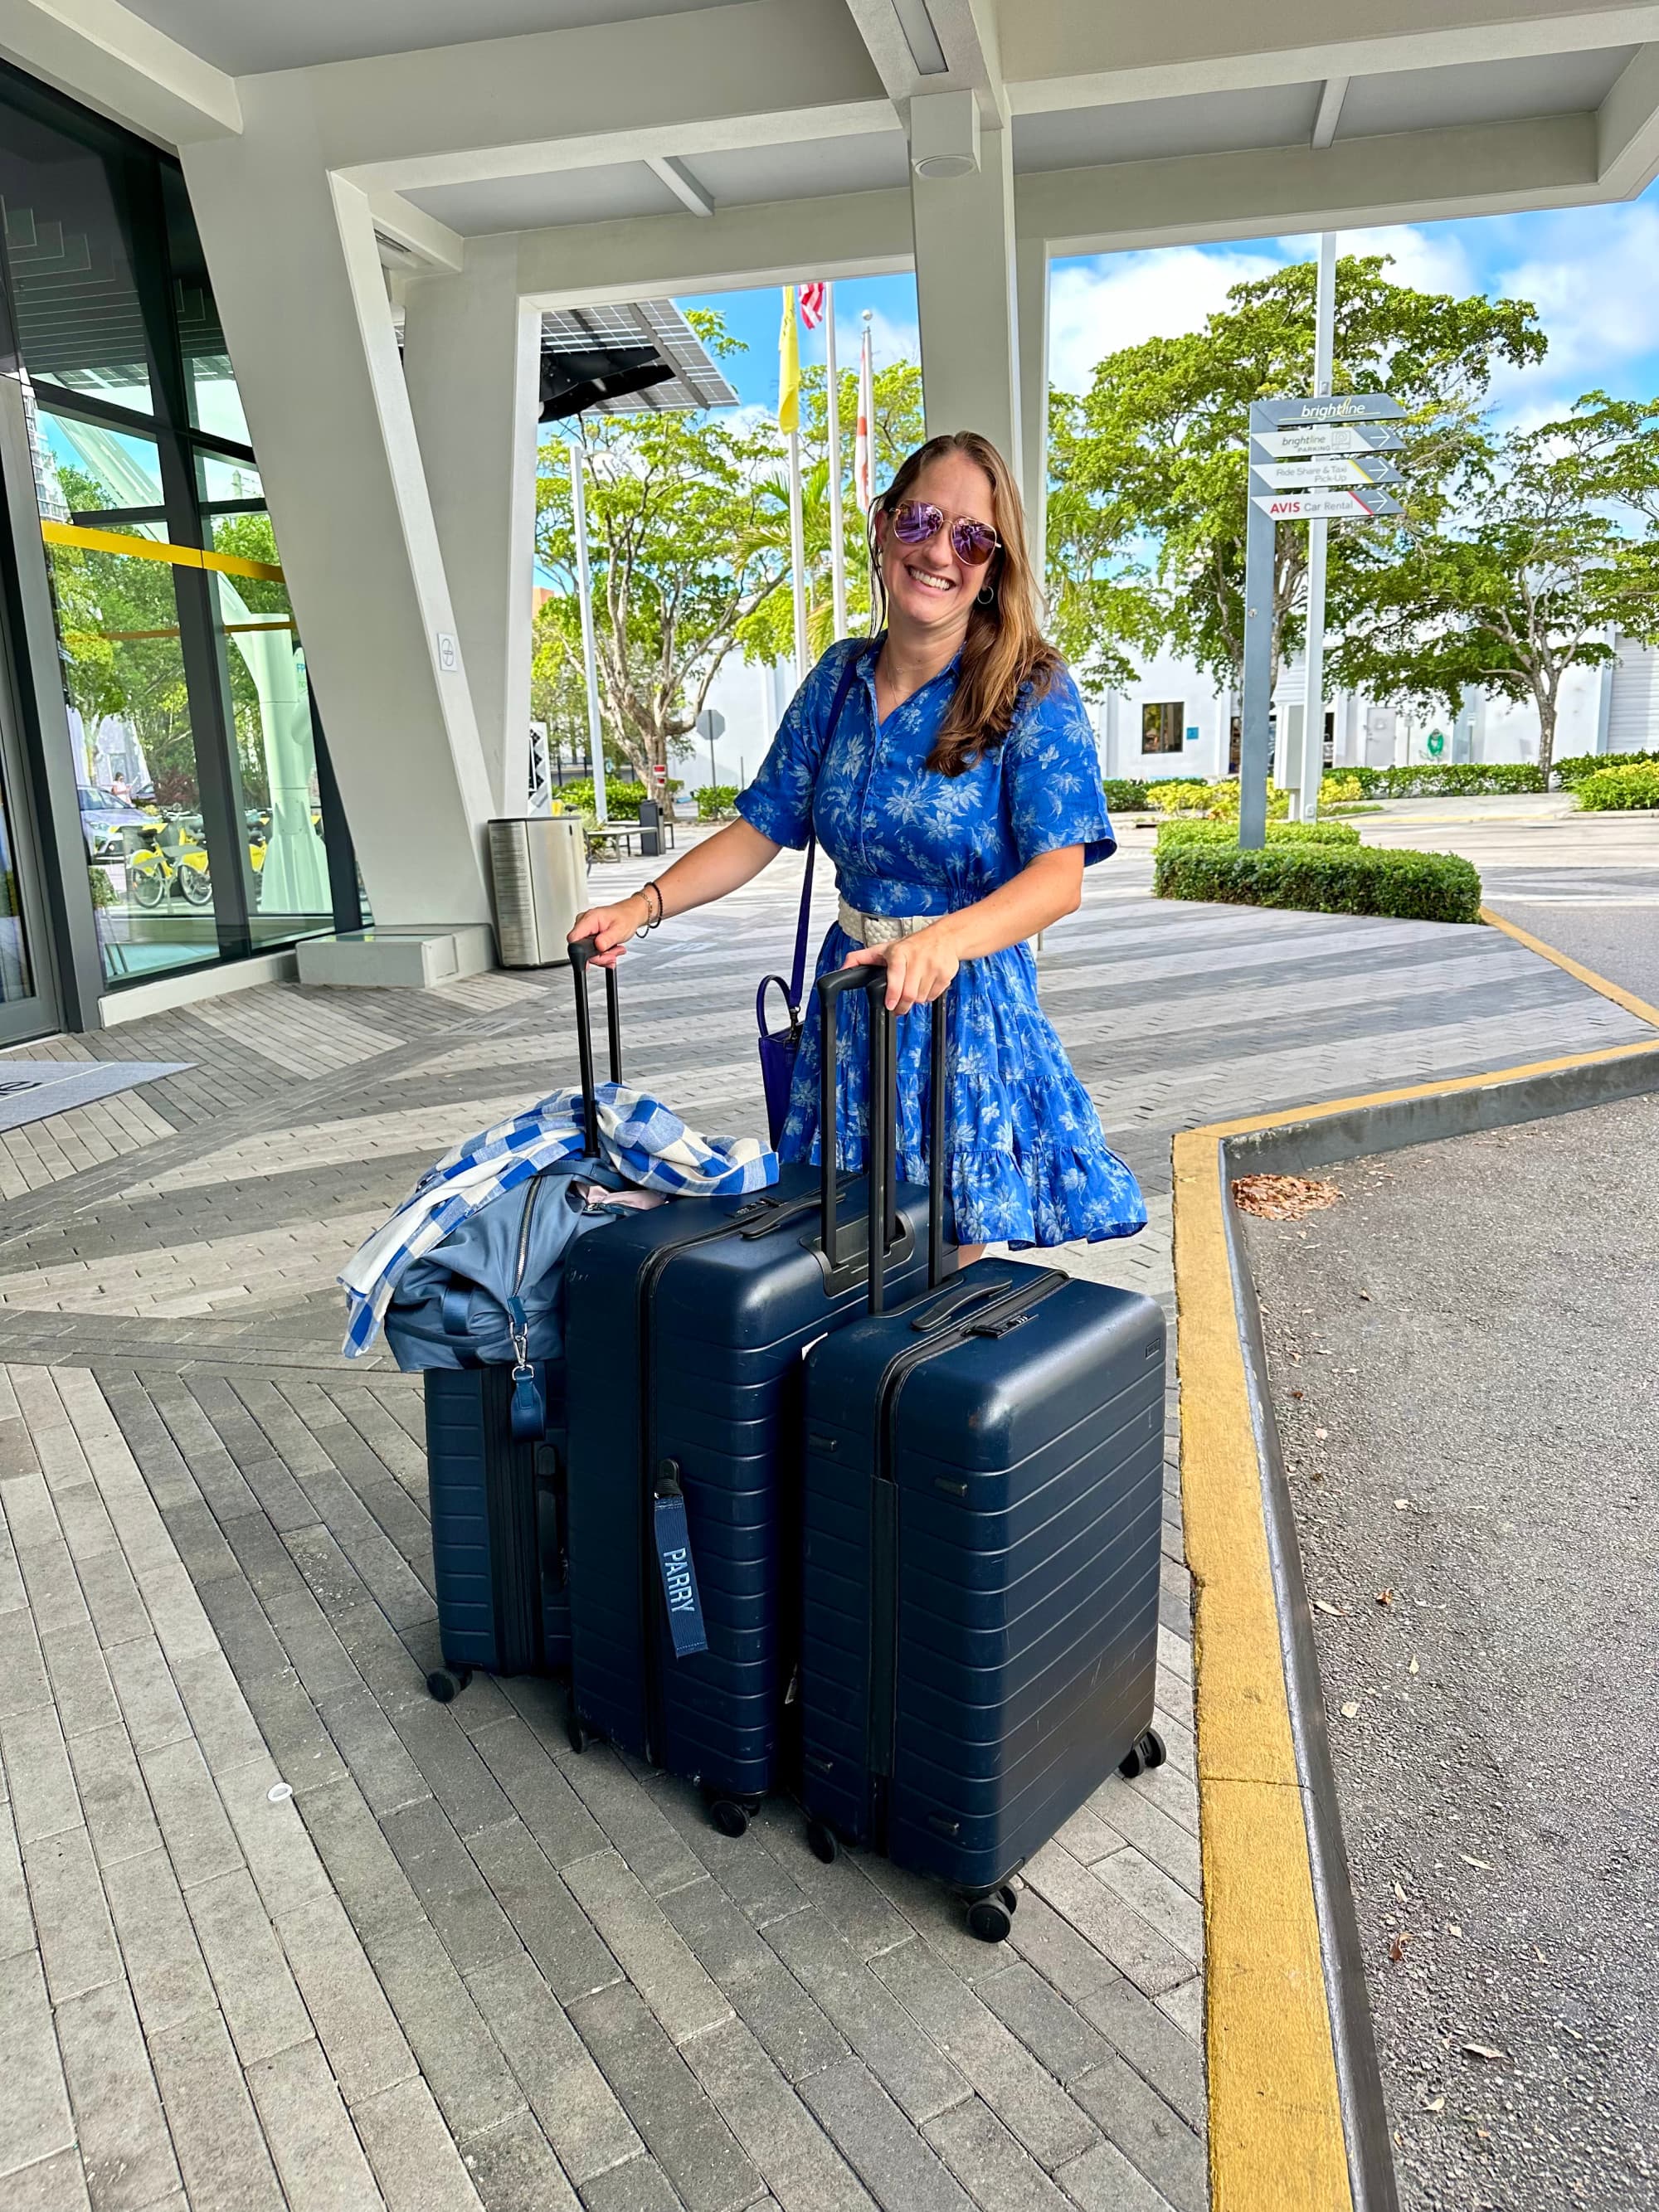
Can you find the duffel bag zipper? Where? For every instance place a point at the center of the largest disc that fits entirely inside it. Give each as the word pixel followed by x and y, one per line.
pixel 993 1319
pixel 529 1414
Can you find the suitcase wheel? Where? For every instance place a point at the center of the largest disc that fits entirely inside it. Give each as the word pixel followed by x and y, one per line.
pixel 1010 1897
pixel 821 1842
pixel 576 1736
pixel 1144 1753
pixel 728 1816
pixel 446 1683
pixel 990 1918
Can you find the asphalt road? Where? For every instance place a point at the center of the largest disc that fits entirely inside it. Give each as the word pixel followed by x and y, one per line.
pixel 1463 1352
pixel 1619 939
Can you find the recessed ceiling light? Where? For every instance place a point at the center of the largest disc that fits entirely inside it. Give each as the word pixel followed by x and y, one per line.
pixel 920 37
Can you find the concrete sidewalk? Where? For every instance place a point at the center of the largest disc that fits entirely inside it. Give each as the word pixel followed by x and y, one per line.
pixel 459 1963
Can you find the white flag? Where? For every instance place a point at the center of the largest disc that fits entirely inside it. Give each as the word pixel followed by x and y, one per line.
pixel 864 442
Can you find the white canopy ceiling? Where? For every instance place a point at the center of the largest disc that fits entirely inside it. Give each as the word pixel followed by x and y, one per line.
pixel 631 122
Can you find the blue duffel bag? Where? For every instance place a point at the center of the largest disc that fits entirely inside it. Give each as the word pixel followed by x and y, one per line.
pixel 492 1294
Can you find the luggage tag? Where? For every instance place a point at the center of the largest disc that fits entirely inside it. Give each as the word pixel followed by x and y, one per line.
pixel 679 1577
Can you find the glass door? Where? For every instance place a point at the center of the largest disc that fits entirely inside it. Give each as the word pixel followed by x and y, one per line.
pixel 27 1002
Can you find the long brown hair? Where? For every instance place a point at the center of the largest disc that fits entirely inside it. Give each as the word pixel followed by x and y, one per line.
pixel 1004 648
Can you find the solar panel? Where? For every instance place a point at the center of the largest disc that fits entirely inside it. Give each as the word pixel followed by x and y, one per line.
pixel 697 382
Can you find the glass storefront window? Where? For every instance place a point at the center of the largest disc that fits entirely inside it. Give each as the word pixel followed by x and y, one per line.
pixel 89 473
pixel 16 980
pixel 131 725
pixel 74 296
pixel 189 718
pixel 270 702
pixel 210 392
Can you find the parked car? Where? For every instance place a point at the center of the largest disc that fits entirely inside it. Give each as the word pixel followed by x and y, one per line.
pixel 103 819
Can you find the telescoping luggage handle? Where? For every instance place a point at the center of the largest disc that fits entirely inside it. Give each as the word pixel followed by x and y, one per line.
pixel 881 1161
pixel 582 952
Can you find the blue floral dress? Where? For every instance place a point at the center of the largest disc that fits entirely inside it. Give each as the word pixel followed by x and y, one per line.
pixel 1028 1163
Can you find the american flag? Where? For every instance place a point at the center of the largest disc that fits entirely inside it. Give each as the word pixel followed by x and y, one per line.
pixel 811 305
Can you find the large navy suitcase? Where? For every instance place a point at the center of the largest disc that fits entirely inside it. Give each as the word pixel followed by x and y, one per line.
pixel 981 1515
pixel 499 1501
pixel 686 1328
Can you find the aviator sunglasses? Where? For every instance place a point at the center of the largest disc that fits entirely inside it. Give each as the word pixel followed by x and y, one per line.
pixel 917 521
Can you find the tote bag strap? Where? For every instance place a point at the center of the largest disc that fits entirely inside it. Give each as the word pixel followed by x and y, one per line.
pixel 798 973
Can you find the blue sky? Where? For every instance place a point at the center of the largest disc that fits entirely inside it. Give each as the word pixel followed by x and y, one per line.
pixel 1591 273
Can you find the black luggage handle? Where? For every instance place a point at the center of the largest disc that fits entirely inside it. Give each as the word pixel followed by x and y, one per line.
pixel 881 1163
pixel 582 952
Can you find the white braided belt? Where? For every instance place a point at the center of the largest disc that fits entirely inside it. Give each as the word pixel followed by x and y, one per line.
pixel 880 928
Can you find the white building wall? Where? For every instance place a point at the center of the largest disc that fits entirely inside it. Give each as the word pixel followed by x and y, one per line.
pixel 1634 712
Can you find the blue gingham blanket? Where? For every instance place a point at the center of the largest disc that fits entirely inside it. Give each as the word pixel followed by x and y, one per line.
pixel 639 1137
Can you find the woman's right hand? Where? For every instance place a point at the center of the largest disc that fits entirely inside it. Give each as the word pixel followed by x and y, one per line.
pixel 611 927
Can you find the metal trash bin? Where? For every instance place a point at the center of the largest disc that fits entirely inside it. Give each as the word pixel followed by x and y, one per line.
pixel 539 865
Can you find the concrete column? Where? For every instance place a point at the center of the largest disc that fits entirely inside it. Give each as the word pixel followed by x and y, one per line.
pixel 965 299
pixel 471 357
pixel 1031 297
pixel 302 297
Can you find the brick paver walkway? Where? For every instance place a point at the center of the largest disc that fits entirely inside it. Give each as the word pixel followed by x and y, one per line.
pixel 458 1964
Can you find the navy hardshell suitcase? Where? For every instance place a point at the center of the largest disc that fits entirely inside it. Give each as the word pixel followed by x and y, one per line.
pixel 499 1548
pixel 982 1517
pixel 686 1328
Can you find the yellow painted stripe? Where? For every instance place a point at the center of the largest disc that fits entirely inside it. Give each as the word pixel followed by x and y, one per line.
pixel 153 549
pixel 1276 2137
pixel 1275 2113
pixel 1616 992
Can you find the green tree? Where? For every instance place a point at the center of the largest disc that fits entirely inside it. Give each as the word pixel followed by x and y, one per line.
pixel 1545 541
pixel 683 550
pixel 119 636
pixel 1147 510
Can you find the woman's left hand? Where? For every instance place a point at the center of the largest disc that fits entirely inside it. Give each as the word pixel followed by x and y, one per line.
pixel 919 969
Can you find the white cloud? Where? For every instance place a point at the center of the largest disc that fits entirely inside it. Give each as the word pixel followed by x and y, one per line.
pixel 1429 257
pixel 1116 300
pixel 1593 287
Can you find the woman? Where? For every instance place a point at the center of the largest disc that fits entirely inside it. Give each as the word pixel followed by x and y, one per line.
pixel 958 795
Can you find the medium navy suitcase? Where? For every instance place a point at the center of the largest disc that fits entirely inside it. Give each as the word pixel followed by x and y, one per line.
pixel 499 1548
pixel 686 1328
pixel 498 1545
pixel 981 1514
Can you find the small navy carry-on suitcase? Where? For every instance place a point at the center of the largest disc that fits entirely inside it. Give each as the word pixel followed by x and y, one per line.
pixel 980 1518
pixel 497 1483
pixel 686 1328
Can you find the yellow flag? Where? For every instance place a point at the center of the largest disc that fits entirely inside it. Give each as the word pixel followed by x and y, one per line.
pixel 788 365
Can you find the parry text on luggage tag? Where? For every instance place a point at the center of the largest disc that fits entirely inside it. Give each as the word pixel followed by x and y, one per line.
pixel 679 1577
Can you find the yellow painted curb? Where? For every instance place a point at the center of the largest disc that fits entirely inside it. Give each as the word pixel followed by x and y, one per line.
pixel 1616 992
pixel 1275 2115
pixel 1276 2123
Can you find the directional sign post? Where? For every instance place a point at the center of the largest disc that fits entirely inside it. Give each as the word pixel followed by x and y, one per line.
pixel 1282 432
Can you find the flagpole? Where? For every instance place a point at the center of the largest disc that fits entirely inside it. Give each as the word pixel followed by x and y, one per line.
pixel 590 655
pixel 798 557
pixel 832 394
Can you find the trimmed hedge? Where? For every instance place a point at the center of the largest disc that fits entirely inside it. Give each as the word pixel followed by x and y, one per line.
pixel 1210 802
pixel 1172 834
pixel 1445 778
pixel 1123 794
pixel 715 800
pixel 1322 880
pixel 1570 773
pixel 621 799
pixel 1617 787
